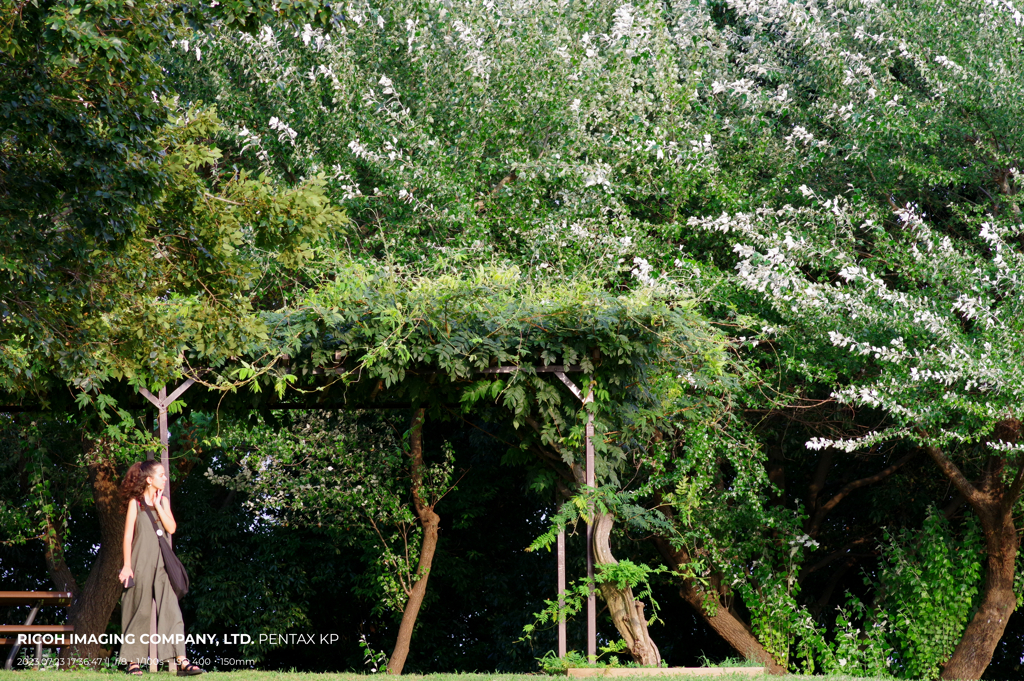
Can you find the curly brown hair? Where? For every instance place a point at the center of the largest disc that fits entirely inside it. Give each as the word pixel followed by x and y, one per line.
pixel 134 484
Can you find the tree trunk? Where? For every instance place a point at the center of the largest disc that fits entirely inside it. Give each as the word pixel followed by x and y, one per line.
pixel 92 605
pixel 429 521
pixel 974 651
pixel 993 501
pixel 724 622
pixel 627 613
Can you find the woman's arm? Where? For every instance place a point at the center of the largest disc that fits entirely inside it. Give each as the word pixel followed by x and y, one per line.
pixel 129 535
pixel 163 509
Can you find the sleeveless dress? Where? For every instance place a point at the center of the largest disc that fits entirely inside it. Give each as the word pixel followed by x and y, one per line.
pixel 136 604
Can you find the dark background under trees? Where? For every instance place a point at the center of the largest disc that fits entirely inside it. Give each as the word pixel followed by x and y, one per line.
pixel 258 575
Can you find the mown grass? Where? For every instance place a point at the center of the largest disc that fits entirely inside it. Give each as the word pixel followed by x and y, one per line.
pixel 250 675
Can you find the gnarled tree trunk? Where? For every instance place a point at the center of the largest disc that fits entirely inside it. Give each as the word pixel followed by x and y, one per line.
pixel 627 613
pixel 974 651
pixel 92 604
pixel 993 501
pixel 429 521
pixel 735 632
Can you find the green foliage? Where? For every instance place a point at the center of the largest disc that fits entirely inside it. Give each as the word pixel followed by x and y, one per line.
pixel 857 652
pixel 233 558
pixel 119 225
pixel 573 600
pixel 834 183
pixel 582 506
pixel 473 132
pixel 732 538
pixel 627 574
pixel 82 108
pixel 929 585
pixel 184 279
pixel 927 590
pixel 432 339
pixel 344 476
pixel 553 665
pixel 376 660
pixel 624 574
pixel 46 479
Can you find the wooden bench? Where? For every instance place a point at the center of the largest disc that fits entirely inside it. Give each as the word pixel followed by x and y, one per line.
pixel 37 599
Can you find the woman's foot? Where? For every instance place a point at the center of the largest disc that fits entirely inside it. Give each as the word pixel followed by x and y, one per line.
pixel 186 668
pixel 134 669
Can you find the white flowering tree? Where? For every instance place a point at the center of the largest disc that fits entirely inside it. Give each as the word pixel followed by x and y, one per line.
pixel 536 133
pixel 524 131
pixel 889 255
pixel 855 160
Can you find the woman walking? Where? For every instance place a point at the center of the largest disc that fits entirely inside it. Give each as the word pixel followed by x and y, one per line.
pixel 146 506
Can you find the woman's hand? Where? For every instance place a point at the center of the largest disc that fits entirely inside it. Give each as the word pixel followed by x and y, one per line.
pixel 126 572
pixel 164 511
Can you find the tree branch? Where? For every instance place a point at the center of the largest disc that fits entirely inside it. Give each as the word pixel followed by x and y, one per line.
pixel 855 485
pixel 221 198
pixel 952 507
pixel 838 553
pixel 53 552
pixel 963 485
pixel 479 205
pixel 1010 498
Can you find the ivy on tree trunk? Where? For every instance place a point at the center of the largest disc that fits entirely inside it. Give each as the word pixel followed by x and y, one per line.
pixel 993 501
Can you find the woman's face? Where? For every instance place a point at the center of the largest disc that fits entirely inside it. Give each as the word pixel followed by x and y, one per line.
pixel 159 478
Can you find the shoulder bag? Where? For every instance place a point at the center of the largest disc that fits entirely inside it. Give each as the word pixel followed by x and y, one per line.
pixel 175 570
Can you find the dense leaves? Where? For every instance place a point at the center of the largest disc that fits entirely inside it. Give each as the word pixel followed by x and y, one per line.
pixel 833 184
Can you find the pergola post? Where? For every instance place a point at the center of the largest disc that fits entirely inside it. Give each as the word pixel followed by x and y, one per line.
pixel 161 402
pixel 562 649
pixel 590 478
pixel 592 596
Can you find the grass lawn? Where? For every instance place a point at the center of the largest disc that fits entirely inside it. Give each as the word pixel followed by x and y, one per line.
pixel 49 675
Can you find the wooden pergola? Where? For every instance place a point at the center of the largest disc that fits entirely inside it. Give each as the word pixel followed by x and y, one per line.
pixel 162 400
pixel 415 331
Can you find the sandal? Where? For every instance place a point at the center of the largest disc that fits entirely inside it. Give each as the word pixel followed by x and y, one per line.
pixel 133 669
pixel 186 668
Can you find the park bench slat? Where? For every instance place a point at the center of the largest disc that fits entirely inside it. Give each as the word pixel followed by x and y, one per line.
pixel 37 629
pixel 29 597
pixel 36 599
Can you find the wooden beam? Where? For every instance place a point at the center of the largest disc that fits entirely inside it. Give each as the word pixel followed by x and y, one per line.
pixel 27 597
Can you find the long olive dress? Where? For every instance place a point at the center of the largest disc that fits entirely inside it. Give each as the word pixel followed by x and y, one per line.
pixel 136 603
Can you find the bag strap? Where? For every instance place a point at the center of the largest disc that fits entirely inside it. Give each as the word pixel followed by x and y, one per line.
pixel 152 519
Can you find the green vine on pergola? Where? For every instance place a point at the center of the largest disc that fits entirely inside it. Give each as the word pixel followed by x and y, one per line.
pixel 488 337
pixel 363 339
pixel 482 341
pixel 366 336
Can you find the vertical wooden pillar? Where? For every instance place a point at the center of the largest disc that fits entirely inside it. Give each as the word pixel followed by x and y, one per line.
pixel 592 596
pixel 562 647
pixel 590 478
pixel 161 402
pixel 165 450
